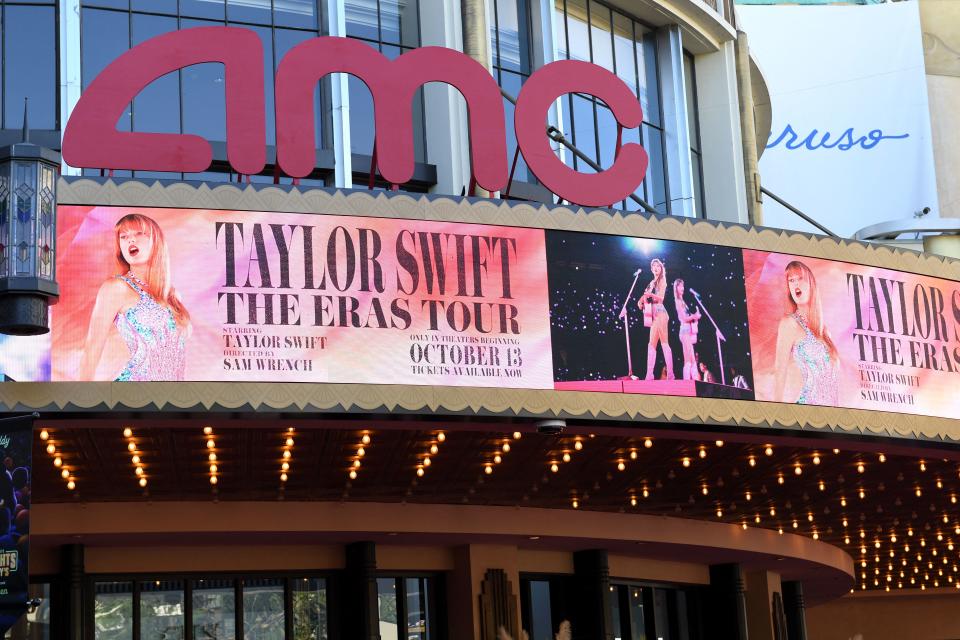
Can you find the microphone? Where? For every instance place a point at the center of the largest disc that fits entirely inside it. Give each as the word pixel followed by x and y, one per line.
pixel 693 291
pixel 637 272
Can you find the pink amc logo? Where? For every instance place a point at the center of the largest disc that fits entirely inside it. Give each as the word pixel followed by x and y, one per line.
pixel 91 138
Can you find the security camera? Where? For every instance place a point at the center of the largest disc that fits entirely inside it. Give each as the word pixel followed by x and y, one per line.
pixel 551 427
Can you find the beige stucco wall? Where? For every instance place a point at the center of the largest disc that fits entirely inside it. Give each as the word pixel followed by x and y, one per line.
pixel 923 616
pixel 940 21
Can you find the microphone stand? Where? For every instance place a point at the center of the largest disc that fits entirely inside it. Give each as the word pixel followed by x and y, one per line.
pixel 720 338
pixel 626 327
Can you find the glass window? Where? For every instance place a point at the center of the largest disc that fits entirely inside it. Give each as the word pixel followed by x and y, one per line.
pixel 405 601
pixel 417 608
pixel 214 609
pixel 693 129
pixel 541 616
pixel 309 609
pixel 29 59
pixel 162 610
pixel 35 624
pixel 387 607
pixel 113 611
pixel 263 609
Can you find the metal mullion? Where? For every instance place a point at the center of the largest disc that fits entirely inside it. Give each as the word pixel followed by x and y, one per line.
pixel 3 64
pixel 401 591
pixel 288 608
pixel 663 142
pixel 136 609
pixel 187 608
pixel 496 32
pixel 238 607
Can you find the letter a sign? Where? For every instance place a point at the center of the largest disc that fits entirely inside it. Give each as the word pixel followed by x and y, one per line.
pixel 92 140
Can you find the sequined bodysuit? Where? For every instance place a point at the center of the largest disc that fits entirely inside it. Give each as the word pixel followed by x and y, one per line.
pixel 820 376
pixel 151 334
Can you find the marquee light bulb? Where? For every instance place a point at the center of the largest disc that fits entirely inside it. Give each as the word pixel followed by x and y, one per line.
pixel 633 454
pixel 633 501
pixel 44 435
pixel 648 443
pixel 882 458
pixel 860 467
pixel 420 472
pixel 143 482
pixel 497 459
pixel 289 442
pixel 441 436
pixel 554 467
pixel 131 446
pixel 749 496
pixel 578 445
pixel 213 468
pixel 517 435
pixel 207 431
pixel 646 493
pixel 506 447
pixel 487 469
pixel 685 462
pixel 138 471
pixel 356 464
pixel 575 504
pixel 71 485
pixel 128 432
pixel 287 454
pixel 621 466
pixel 719 513
pixel 719 443
pixel 57 461
pixel 361 452
pixel 703 452
pixel 135 459
pixel 798 470
pixel 51 448
pixel 427 461
pixel 923 466
pixel 65 473
pixel 816 458
pixel 566 457
pixel 768 450
pixel 212 457
pixel 434 449
pixel 752 461
pixel 211 444
pixel 353 474
pixel 285 466
pixel 365 439
pixel 213 479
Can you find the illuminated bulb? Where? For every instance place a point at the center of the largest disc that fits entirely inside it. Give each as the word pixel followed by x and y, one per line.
pixel 575 504
pixel 506 447
pixel 71 485
pixel 860 467
pixel 822 486
pixel 919 492
pixel 57 461
pixel 719 513
pixel 138 471
pixel 566 457
pixel 633 455
pixel 353 474
pixel 816 536
pixel 135 459
pixel 427 461
pixel 487 469
pixel 285 466
pixel 44 435
pixel 289 442
pixel 361 452
pixel 127 432
pixel 862 494
pixel 744 525
pixel 283 477
pixel 517 435
pixel 213 479
pixel 719 443
pixel 211 444
pixel 752 461
pixel 768 451
pixel 131 446
pixel 810 517
pixel 441 436
pixel 366 439
pixel 286 455
pixel 356 464
pixel 882 458
pixel 893 538
pixel 213 468
pixel 212 457
pixel 554 467
pixel 633 501
pixel 816 458
pixel 685 462
pixel 836 451
pixel 795 525
pixel 143 482
pixel 756 519
pixel 578 445
pixel 497 459
pixel 703 452
pixel 780 479
pixel 646 493
pixel 207 431
pixel 844 522
pixel 621 466
pixel 846 539
pixel 923 466
pixel 420 471
pixel 65 473
pixel 780 530
pixel 705 490
pixel 797 470
pixel 434 449
pixel 648 443
pixel 939 484
pixel 773 512
pixel 843 502
pixel 749 496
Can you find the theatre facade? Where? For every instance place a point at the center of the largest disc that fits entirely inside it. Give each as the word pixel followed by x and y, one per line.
pixel 303 355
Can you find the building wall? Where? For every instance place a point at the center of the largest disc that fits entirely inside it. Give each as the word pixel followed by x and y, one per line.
pixel 925 616
pixel 940 20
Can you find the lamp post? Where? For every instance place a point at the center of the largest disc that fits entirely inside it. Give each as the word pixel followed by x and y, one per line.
pixel 28 222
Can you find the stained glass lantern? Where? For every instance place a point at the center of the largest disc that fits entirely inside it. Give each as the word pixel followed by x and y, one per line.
pixel 28 221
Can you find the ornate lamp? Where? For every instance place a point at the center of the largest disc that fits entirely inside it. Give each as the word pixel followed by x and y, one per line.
pixel 28 222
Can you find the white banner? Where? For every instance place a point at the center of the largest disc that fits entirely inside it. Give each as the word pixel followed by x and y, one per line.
pixel 850 142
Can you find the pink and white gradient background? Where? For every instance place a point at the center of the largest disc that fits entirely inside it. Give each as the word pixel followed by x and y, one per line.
pixel 85 238
pixel 766 305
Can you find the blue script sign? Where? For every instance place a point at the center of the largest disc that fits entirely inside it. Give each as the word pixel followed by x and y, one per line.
pixel 844 142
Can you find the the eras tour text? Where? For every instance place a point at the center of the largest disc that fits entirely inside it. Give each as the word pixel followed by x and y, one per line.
pixel 451 293
pixel 902 325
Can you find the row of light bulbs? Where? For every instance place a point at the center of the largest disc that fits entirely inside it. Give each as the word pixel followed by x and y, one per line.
pixel 135 458
pixel 502 449
pixel 57 456
pixel 213 464
pixel 286 454
pixel 433 450
pixel 358 454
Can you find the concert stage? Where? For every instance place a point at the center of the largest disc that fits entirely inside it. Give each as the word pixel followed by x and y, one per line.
pixel 689 388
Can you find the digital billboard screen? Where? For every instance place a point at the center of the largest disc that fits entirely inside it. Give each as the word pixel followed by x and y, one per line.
pixel 214 295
